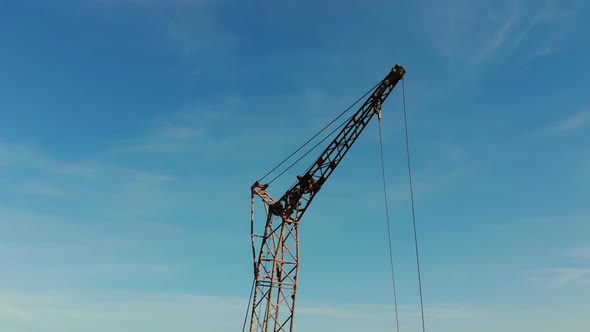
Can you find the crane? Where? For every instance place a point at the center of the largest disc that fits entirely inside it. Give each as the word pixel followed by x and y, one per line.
pixel 276 260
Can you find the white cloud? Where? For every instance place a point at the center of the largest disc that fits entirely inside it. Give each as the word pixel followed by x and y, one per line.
pixel 580 253
pixel 542 52
pixel 498 39
pixel 560 277
pixel 118 312
pixel 9 312
pixel 17 154
pixel 544 14
pixel 384 312
pixel 194 31
pixel 128 311
pixel 40 189
pixel 179 132
pixel 151 312
pixel 470 32
pixel 476 32
pixel 97 189
pixel 576 121
pixel 173 133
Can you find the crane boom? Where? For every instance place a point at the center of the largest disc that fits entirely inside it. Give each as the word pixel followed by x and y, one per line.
pixel 277 264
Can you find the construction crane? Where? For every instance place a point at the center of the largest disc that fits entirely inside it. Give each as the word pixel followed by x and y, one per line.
pixel 276 260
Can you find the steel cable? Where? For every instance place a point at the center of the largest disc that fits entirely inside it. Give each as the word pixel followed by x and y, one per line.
pixel 412 200
pixel 308 152
pixel 248 309
pixel 313 137
pixel 388 227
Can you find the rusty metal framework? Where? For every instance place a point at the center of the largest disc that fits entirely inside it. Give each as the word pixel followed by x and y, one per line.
pixel 276 262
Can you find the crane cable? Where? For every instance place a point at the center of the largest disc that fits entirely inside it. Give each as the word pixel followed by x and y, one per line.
pixel 412 200
pixel 413 213
pixel 254 258
pixel 308 152
pixel 248 308
pixel 385 194
pixel 388 225
pixel 313 137
pixel 283 172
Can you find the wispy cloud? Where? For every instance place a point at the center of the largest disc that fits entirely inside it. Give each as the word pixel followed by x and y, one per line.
pixel 83 183
pixel 190 29
pixel 380 312
pixel 181 312
pixel 574 122
pixel 223 127
pixel 175 132
pixel 40 189
pixel 579 253
pixel 18 154
pixel 202 43
pixel 498 38
pixel 11 313
pixel 544 14
pixel 478 32
pixel 154 312
pixel 179 132
pixel 543 52
pixel 560 277
pixel 470 32
pixel 111 310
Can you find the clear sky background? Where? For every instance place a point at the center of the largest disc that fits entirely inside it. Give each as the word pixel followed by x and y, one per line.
pixel 131 131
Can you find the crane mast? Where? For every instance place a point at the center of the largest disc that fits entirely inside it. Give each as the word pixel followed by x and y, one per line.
pixel 277 264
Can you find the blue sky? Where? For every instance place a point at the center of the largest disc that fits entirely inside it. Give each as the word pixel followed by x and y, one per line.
pixel 131 131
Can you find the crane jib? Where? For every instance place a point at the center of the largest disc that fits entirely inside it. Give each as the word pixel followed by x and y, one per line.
pixel 277 264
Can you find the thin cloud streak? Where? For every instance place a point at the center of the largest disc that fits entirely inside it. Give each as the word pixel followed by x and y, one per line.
pixel 579 253
pixel 499 38
pixel 40 189
pixel 476 33
pixel 574 122
pixel 559 277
